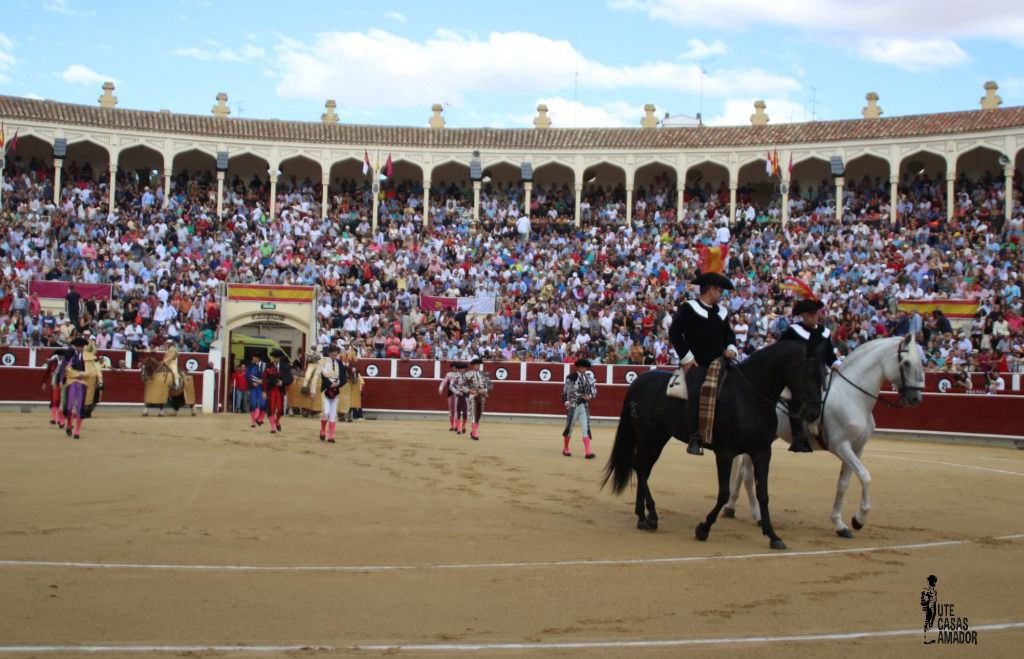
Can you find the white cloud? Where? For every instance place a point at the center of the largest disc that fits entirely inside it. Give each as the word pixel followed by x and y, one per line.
pixel 566 113
pixel 33 96
pixel 80 74
pixel 216 52
pixel 448 66
pixel 907 18
pixel 921 55
pixel 397 16
pixel 698 50
pixel 779 110
pixel 61 7
pixel 7 59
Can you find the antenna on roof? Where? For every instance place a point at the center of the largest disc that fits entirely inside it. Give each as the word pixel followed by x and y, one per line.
pixel 703 72
pixel 814 103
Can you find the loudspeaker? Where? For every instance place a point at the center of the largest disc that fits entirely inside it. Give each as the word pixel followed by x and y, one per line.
pixel 60 147
pixel 222 161
pixel 836 164
pixel 476 169
pixel 526 171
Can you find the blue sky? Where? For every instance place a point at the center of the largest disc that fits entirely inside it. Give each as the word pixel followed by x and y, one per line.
pixel 593 63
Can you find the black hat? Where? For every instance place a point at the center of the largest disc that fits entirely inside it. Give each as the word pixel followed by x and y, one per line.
pixel 333 348
pixel 583 363
pixel 79 342
pixel 807 306
pixel 277 352
pixel 714 279
pixel 476 360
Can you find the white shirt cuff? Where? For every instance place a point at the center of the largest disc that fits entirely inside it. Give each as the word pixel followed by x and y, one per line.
pixel 687 359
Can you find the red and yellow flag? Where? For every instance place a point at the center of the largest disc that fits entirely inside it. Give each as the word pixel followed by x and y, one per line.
pixel 268 293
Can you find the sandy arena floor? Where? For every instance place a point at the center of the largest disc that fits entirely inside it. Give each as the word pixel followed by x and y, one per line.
pixel 409 539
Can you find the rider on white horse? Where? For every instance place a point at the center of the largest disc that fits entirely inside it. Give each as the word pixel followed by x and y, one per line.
pixel 808 330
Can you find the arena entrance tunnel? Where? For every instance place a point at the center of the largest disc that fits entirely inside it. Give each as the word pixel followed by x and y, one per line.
pixel 258 319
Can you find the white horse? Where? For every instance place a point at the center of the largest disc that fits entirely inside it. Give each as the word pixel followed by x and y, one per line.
pixel 847 421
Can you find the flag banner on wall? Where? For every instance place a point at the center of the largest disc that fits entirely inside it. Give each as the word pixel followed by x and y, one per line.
pixel 951 308
pixel 268 293
pixel 59 289
pixel 468 304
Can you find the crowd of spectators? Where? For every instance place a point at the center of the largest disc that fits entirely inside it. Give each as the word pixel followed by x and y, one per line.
pixel 605 290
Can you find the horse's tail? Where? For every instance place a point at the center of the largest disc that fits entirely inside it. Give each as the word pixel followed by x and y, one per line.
pixel 620 464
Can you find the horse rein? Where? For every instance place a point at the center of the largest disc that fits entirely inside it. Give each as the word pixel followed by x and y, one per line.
pixel 775 402
pixel 904 387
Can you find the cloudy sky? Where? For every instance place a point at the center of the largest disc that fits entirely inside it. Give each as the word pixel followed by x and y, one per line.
pixel 593 63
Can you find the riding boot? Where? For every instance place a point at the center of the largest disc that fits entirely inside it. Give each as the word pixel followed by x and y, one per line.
pixel 800 444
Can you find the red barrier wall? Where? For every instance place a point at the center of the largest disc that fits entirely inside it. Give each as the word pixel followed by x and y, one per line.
pixel 537 389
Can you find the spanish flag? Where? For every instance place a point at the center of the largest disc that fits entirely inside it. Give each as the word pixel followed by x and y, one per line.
pixel 267 293
pixel 950 308
pixel 713 259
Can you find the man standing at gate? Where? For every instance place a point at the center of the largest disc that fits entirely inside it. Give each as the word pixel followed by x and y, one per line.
pixel 276 378
pixel 701 334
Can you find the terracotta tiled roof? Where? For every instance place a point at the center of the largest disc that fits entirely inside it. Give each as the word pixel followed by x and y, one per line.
pixel 13 109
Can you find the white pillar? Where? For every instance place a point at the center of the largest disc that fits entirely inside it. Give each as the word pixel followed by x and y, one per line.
pixel 167 187
pixel 578 218
pixel 113 186
pixel 950 194
pixel 273 196
pixel 209 404
pixel 1008 202
pixel 58 163
pixel 426 202
pixel 680 199
pixel 375 191
pixel 785 203
pixel 476 202
pixel 527 197
pixel 220 194
pixel 732 202
pixel 894 195
pixel 629 203
pixel 325 181
pixel 840 182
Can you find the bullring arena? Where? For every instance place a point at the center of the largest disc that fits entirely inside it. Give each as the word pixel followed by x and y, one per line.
pixel 198 536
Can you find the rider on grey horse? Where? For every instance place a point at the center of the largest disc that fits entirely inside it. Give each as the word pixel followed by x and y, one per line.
pixel 808 330
pixel 701 333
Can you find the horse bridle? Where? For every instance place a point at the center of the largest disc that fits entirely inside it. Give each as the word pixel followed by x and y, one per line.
pixel 775 402
pixel 903 389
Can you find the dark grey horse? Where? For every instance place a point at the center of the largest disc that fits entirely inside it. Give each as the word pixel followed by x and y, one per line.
pixel 745 422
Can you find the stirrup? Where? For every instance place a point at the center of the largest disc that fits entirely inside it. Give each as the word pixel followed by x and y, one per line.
pixel 695 446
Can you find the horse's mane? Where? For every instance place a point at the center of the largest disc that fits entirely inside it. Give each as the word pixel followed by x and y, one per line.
pixel 754 360
pixel 868 348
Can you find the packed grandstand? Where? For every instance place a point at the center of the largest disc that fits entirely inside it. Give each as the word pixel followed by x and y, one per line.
pixel 590 265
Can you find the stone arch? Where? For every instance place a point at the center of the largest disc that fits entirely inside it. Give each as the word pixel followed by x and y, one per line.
pixel 33 153
pixel 922 163
pixel 141 164
pixel 604 175
pixel 87 160
pixel 298 170
pixel 192 165
pixel 247 179
pixel 707 180
pixel 811 178
pixel 553 188
pixel 978 163
pixel 865 169
pixel 450 178
pixel 502 173
pixel 755 185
